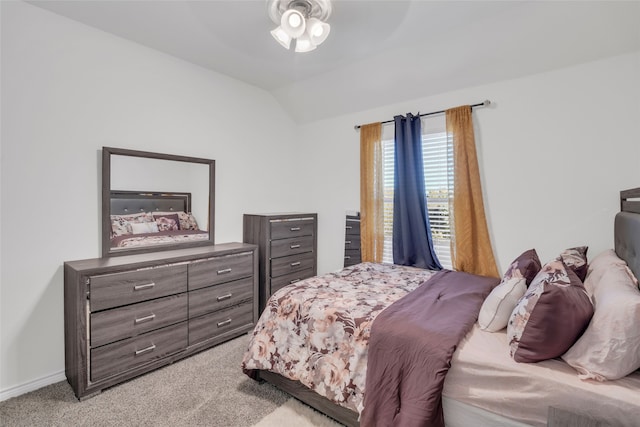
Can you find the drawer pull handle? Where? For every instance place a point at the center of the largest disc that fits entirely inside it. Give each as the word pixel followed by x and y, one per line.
pixel 224 297
pixel 295 229
pixel 347 257
pixel 347 242
pixel 224 323
pixel 295 264
pixel 144 350
pixel 294 246
pixel 348 227
pixel 145 286
pixel 225 271
pixel 294 281
pixel 145 318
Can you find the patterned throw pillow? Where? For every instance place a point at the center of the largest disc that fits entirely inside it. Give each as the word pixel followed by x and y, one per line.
pixel 497 307
pixel 121 224
pixel 610 347
pixel 167 222
pixel 576 259
pixel 551 315
pixel 187 221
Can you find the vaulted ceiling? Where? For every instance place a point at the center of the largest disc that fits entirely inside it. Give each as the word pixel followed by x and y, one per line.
pixel 378 52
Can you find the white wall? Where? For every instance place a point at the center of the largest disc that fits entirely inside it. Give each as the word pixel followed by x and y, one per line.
pixel 68 90
pixel 554 149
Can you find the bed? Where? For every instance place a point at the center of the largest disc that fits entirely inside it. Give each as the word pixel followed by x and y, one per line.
pixel 327 361
pixel 142 218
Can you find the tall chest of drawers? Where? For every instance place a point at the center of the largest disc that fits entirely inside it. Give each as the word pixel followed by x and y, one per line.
pixel 352 254
pixel 287 247
pixel 125 316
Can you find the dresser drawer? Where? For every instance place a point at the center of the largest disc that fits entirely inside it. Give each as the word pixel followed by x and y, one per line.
pixel 352 242
pixel 217 297
pixel 123 355
pixel 212 325
pixel 288 279
pixel 292 263
pixel 124 322
pixel 220 270
pixel 352 228
pixel 283 229
pixel 352 256
pixel 286 247
pixel 113 290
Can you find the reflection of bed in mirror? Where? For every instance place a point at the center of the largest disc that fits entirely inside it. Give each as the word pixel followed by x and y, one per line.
pixel 162 177
pixel 145 218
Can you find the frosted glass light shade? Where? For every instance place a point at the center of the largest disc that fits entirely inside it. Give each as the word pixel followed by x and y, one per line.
pixel 304 44
pixel 281 37
pixel 293 23
pixel 318 31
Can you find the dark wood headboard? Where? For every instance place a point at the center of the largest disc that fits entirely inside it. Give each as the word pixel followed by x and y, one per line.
pixel 627 205
pixel 128 202
pixel 627 229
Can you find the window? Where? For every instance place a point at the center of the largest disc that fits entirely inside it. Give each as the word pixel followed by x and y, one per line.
pixel 437 154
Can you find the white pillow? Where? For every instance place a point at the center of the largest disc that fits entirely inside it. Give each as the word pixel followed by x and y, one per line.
pixel 497 307
pixel 143 227
pixel 610 347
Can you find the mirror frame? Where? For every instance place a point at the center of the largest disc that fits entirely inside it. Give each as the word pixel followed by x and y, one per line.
pixel 107 152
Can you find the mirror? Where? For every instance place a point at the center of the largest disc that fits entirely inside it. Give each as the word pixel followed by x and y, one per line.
pixel 152 201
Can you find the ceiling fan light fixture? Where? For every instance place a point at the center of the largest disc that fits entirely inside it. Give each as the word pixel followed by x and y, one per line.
pixel 282 37
pixel 301 20
pixel 293 23
pixel 304 44
pixel 318 31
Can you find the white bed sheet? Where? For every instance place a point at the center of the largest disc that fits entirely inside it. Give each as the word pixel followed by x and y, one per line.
pixel 483 375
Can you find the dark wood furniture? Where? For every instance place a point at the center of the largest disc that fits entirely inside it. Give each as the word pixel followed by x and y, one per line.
pixel 287 245
pixel 125 316
pixel 352 253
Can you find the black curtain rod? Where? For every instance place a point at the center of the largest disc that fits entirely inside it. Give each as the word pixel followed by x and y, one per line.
pixel 481 104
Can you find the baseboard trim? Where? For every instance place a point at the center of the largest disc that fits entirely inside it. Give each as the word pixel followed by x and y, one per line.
pixel 32 385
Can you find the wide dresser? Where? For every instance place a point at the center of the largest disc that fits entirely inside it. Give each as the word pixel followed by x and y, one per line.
pixel 125 316
pixel 287 245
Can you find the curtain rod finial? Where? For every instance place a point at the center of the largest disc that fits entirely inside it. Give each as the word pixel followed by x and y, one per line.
pixel 486 102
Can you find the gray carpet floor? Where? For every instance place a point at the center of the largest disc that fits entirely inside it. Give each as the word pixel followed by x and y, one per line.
pixel 207 389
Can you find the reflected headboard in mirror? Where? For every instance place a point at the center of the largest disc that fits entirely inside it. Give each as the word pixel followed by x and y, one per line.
pixel 174 210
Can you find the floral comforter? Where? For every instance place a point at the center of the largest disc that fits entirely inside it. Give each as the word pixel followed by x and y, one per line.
pixel 316 331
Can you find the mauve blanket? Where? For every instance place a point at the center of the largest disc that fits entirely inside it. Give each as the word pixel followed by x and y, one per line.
pixel 411 346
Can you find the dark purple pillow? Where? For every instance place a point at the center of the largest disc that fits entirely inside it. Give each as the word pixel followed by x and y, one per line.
pixel 527 265
pixel 576 259
pixel 551 316
pixel 167 222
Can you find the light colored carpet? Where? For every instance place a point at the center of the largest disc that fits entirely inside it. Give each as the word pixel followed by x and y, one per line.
pixel 296 414
pixel 207 389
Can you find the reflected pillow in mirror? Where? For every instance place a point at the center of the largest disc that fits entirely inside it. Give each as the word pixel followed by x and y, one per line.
pixel 121 224
pixel 187 221
pixel 144 227
pixel 167 222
